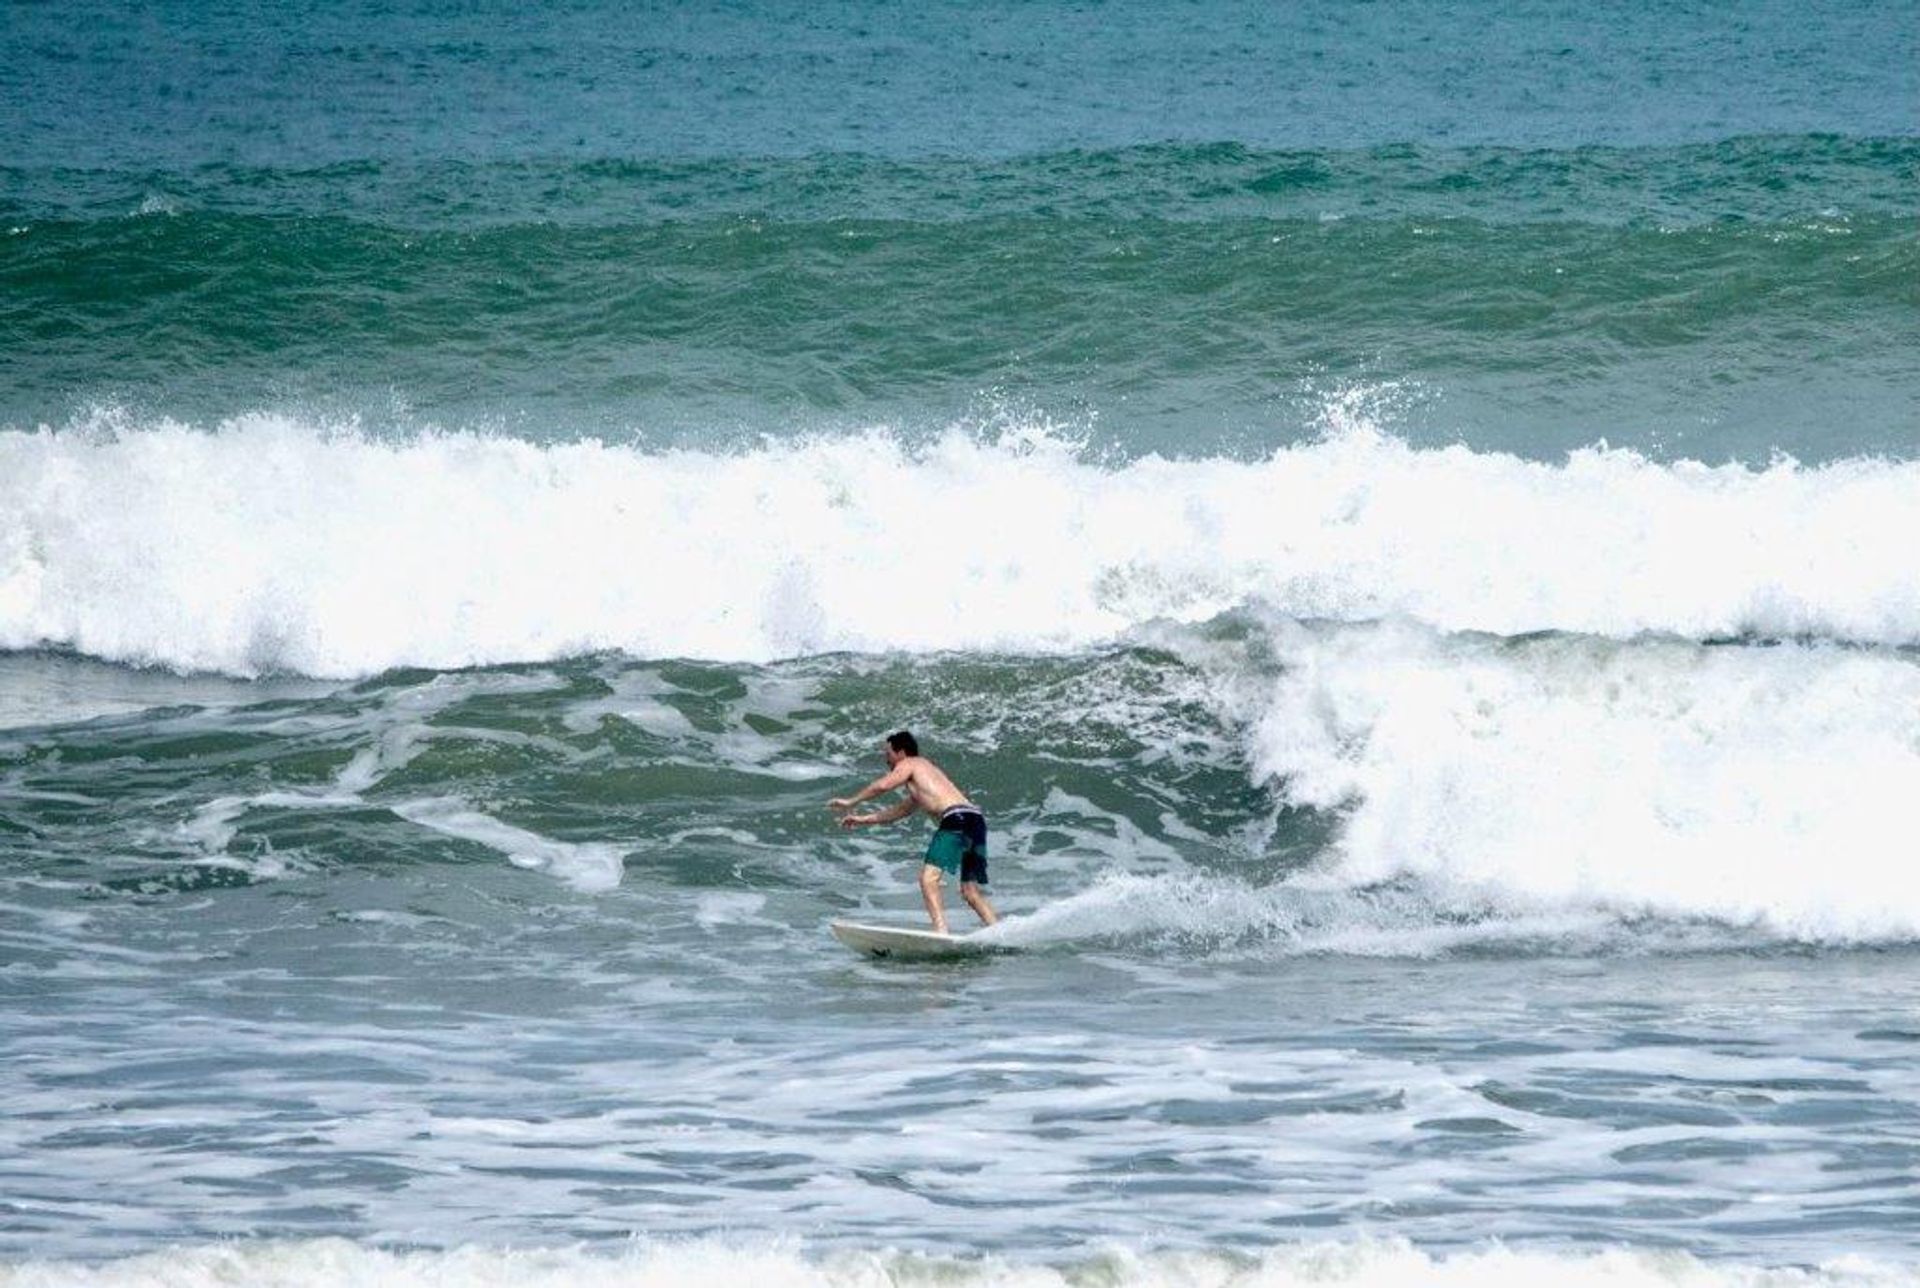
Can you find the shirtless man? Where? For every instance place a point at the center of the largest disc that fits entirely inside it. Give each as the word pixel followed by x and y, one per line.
pixel 958 846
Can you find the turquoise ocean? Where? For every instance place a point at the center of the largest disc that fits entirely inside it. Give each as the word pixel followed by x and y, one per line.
pixel 1403 515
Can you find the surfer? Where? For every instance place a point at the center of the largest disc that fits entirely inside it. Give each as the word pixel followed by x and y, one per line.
pixel 959 844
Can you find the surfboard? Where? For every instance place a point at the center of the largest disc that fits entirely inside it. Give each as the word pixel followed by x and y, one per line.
pixel 903 941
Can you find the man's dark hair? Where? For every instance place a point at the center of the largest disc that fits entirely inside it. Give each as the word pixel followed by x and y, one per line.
pixel 904 741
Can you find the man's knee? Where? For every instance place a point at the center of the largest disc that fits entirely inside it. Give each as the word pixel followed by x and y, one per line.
pixel 929 875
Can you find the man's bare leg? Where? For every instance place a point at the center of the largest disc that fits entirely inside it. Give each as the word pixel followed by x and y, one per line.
pixel 976 900
pixel 930 891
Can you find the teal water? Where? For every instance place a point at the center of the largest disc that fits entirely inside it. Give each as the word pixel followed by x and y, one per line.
pixel 1402 516
pixel 1192 301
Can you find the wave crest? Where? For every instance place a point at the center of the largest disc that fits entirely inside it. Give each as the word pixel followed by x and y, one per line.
pixel 273 545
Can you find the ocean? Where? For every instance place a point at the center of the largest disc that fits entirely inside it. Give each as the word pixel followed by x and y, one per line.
pixel 1402 515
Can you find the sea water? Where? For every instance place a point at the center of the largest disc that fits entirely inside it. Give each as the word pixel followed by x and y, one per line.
pixel 1402 515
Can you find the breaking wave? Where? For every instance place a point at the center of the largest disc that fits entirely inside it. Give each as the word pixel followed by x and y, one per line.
pixel 269 544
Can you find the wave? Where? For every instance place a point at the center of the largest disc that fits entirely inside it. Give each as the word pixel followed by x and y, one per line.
pixel 1760 788
pixel 271 546
pixel 1326 725
pixel 203 287
pixel 1757 177
pixel 1245 789
pixel 1459 794
pixel 1184 294
pixel 1377 1263
pixel 727 317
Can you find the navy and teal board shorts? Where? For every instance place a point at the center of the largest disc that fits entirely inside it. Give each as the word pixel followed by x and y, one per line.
pixel 959 846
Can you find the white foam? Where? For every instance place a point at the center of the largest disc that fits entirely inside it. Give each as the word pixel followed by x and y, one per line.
pixel 214 824
pixel 1372 1263
pixel 715 909
pixel 1317 916
pixel 585 865
pixel 269 544
pixel 1768 788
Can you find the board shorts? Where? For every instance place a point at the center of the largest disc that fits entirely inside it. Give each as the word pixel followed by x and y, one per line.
pixel 959 844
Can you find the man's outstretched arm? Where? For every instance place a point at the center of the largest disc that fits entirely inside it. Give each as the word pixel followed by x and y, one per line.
pixel 892 780
pixel 891 814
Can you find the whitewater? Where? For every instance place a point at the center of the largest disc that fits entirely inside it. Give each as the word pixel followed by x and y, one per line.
pixel 1365 1264
pixel 270 545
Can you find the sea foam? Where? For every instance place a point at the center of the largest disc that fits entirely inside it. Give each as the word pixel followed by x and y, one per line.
pixel 1363 1264
pixel 268 544
pixel 1759 787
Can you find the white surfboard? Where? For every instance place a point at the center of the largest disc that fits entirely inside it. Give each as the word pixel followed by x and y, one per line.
pixel 903 941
